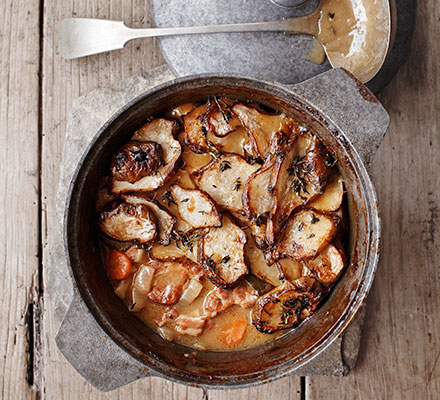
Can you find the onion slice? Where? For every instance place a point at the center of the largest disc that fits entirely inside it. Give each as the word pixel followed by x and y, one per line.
pixel 141 286
pixel 190 293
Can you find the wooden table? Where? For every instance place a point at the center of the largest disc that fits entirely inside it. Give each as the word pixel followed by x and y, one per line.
pixel 400 348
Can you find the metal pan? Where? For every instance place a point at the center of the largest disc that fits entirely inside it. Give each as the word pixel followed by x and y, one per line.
pixel 348 119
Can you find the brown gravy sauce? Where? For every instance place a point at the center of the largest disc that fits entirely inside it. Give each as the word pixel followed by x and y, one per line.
pixel 354 33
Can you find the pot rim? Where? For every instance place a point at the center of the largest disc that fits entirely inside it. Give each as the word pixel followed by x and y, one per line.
pixel 357 297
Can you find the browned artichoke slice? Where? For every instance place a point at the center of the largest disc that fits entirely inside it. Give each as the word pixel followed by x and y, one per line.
pixel 159 131
pixel 327 266
pixel 129 222
pixel 263 127
pixel 222 254
pixel 332 197
pixel 135 160
pixel 306 234
pixel 224 180
pixel 286 306
pixel 165 221
pixel 195 207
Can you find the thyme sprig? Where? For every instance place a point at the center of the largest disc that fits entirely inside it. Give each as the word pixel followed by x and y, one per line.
pixel 297 170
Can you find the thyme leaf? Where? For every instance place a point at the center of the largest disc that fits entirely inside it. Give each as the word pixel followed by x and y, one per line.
pixel 224 165
pixel 225 259
pixel 167 197
pixel 237 185
pixel 315 219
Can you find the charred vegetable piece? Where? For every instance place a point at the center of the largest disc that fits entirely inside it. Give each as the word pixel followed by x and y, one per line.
pixel 256 228
pixel 165 221
pixel 332 197
pixel 222 121
pixel 159 131
pixel 168 282
pixel 257 194
pixel 327 267
pixel 118 265
pixel 196 207
pixel 263 127
pixel 135 160
pixel 222 254
pixel 316 165
pixel 129 222
pixel 286 306
pixel 290 186
pixel 258 266
pixel 196 129
pixel 290 269
pixel 224 180
pixel 306 234
pixel 205 133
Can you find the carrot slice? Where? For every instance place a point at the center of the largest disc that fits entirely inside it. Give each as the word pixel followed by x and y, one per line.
pixel 118 265
pixel 234 333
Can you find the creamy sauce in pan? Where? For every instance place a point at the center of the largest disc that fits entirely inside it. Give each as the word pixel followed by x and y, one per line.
pixel 354 33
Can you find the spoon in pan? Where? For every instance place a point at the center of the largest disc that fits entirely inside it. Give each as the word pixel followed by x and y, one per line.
pixel 355 34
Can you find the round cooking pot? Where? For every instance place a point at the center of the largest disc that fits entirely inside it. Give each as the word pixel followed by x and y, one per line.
pixel 347 118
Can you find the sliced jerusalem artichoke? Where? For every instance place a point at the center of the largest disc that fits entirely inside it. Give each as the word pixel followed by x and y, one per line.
pixel 258 266
pixel 262 127
pixel 306 234
pixel 136 160
pixel 327 266
pixel 181 111
pixel 224 180
pixel 184 244
pixel 316 165
pixel 256 228
pixel 291 186
pixel 129 222
pixel 222 254
pixel 332 197
pixel 286 306
pixel 290 269
pixel 165 221
pixel 257 197
pixel 222 121
pixel 159 131
pixel 195 207
pixel 207 132
pixel 196 129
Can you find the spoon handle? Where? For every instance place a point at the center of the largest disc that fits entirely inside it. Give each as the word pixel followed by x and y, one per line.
pixel 80 37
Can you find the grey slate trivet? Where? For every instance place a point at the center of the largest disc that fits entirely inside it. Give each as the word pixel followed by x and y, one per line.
pixel 102 362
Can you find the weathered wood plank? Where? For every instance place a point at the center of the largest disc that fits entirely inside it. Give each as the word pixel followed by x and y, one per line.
pixel 63 82
pixel 401 341
pixel 19 193
pixel 286 388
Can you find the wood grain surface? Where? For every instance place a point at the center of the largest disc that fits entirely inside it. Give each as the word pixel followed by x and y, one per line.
pixel 400 348
pixel 19 193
